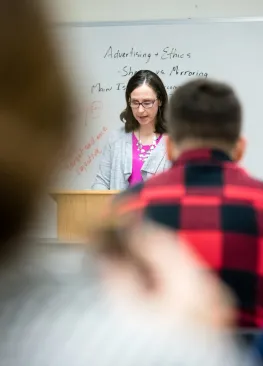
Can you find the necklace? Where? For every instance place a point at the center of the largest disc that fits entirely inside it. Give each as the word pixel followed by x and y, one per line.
pixel 143 153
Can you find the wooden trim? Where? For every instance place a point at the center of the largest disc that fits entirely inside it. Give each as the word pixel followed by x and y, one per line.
pixel 55 194
pixel 78 212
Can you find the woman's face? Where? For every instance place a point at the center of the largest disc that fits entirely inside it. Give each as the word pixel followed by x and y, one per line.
pixel 145 114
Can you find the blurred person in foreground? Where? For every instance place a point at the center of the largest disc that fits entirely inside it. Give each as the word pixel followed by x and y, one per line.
pixel 57 304
pixel 206 197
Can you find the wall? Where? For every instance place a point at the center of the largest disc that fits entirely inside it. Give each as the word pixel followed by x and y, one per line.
pixel 120 10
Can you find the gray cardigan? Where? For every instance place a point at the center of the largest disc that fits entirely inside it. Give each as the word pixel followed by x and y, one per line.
pixel 115 166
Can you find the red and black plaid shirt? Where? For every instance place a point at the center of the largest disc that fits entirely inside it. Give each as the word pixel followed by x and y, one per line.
pixel 218 208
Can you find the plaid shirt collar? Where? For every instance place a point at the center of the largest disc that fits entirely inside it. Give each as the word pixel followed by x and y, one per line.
pixel 202 155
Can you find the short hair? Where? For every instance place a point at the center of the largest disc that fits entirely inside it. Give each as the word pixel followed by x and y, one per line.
pixel 153 81
pixel 205 110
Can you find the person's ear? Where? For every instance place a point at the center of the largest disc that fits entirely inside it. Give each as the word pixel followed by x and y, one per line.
pixel 170 148
pixel 239 149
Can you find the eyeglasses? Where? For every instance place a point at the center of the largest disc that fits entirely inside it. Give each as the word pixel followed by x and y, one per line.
pixel 134 104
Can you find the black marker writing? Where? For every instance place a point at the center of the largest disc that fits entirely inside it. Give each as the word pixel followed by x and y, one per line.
pixel 128 71
pixel 98 88
pixel 177 71
pixel 133 53
pixel 121 86
pixel 160 72
pixel 171 53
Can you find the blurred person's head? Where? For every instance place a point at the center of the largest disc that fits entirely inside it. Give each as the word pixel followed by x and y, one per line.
pixel 35 110
pixel 205 114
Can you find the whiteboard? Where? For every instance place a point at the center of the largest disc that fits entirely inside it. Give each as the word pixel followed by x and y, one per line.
pixel 101 58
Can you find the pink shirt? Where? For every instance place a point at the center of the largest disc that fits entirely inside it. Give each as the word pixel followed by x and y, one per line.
pixel 136 175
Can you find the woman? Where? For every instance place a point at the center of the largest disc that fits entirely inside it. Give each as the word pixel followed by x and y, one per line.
pixel 137 151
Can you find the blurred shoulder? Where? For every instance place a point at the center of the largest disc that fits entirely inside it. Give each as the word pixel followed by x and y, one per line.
pixel 54 259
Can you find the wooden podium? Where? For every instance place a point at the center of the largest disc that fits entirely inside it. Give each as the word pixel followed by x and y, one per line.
pixel 79 211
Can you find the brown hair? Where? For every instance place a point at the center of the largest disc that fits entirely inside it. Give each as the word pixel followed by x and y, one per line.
pixel 35 110
pixel 154 82
pixel 205 110
pixel 31 82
